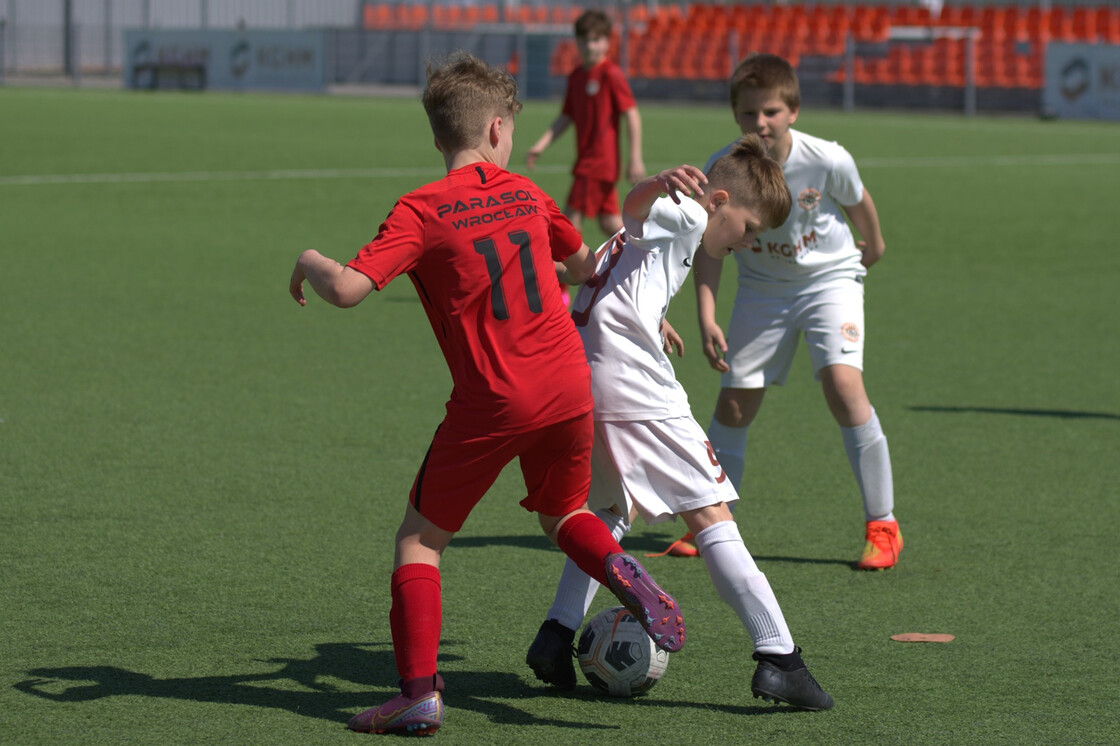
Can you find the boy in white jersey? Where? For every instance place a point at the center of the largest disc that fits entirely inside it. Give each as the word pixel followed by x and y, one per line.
pixel 650 456
pixel 805 277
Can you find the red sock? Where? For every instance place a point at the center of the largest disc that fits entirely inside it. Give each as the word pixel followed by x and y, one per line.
pixel 588 541
pixel 415 618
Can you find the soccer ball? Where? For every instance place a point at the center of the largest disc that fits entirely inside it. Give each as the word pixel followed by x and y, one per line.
pixel 617 656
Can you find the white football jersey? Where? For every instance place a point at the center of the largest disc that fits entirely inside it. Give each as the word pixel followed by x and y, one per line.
pixel 814 248
pixel 618 312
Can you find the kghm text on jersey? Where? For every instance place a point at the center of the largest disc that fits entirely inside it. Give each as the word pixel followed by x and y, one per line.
pixel 789 251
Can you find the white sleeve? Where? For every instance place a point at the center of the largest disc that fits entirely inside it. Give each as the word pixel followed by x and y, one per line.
pixel 845 185
pixel 666 221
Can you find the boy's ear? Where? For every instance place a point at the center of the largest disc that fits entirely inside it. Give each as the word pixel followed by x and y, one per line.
pixel 495 131
pixel 434 140
pixel 718 197
pixel 793 114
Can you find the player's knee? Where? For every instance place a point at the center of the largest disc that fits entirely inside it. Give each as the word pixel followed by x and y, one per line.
pixel 735 408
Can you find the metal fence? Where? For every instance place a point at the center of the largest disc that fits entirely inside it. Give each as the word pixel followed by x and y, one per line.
pixel 87 36
pixel 81 39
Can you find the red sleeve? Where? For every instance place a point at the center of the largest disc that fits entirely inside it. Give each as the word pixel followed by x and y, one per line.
pixel 398 245
pixel 563 236
pixel 620 90
pixel 569 108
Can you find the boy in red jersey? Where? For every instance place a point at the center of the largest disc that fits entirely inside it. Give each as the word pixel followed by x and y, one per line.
pixel 477 245
pixel 598 96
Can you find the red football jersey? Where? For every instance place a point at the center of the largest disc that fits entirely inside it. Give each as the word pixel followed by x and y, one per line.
pixel 595 101
pixel 479 246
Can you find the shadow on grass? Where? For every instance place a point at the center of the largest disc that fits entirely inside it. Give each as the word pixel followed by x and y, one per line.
pixel 1064 414
pixel 368 665
pixel 635 544
pixel 639 545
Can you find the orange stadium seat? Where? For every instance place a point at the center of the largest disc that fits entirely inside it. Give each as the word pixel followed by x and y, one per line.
pixel 1085 24
pixel 1061 25
pixel 378 16
pixel 1108 21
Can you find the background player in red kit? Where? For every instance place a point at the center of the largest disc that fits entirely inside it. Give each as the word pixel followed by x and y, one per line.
pixel 481 246
pixel 598 97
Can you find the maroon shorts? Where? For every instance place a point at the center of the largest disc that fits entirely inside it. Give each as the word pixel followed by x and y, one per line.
pixel 593 196
pixel 459 469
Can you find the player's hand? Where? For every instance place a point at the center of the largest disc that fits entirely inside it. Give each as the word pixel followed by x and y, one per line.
pixel 715 346
pixel 532 157
pixel 636 171
pixel 670 340
pixel 686 179
pixel 295 285
pixel 870 255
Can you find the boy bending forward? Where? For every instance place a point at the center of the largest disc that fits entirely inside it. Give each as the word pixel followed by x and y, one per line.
pixel 650 455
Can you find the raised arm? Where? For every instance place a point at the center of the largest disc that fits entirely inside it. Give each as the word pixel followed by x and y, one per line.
pixel 559 125
pixel 706 273
pixel 636 167
pixel 687 179
pixel 338 285
pixel 865 218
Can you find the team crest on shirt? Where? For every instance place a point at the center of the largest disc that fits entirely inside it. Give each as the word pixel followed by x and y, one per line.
pixel 592 87
pixel 850 331
pixel 809 199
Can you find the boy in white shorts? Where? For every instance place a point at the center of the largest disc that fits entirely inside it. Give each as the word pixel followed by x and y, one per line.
pixel 803 278
pixel 650 456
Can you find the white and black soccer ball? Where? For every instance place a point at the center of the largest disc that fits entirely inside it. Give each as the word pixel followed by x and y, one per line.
pixel 617 656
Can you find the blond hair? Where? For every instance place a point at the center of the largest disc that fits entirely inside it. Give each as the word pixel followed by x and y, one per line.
pixel 753 178
pixel 463 95
pixel 767 72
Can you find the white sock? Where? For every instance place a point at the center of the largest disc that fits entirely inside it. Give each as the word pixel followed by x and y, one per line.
pixel 871 463
pixel 743 587
pixel 730 444
pixel 576 590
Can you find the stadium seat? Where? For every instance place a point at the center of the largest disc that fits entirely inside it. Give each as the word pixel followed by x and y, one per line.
pixel 1061 25
pixel 564 58
pixel 566 15
pixel 1108 21
pixel 1085 24
pixel 378 16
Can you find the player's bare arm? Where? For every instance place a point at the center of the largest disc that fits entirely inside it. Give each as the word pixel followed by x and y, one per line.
pixel 636 168
pixel 577 268
pixel 706 273
pixel 683 179
pixel 338 285
pixel 865 218
pixel 559 125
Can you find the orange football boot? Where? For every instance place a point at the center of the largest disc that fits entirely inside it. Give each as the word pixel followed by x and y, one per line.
pixel 682 547
pixel 884 544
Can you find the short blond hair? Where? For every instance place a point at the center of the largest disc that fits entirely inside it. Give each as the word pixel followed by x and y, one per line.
pixel 767 72
pixel 753 178
pixel 463 95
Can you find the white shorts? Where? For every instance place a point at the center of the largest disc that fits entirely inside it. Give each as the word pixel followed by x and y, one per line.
pixel 661 467
pixel 763 334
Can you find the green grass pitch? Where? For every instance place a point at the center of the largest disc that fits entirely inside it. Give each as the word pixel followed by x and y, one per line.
pixel 200 481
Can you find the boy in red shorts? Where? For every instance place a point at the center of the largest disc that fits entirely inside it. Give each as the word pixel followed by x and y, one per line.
pixel 483 247
pixel 598 96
